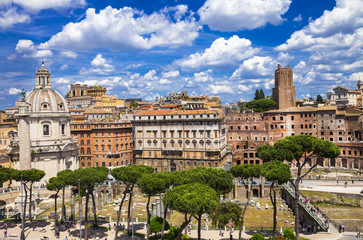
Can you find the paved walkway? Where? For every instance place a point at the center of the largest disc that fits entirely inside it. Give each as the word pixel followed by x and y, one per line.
pixel 332 186
pixel 109 234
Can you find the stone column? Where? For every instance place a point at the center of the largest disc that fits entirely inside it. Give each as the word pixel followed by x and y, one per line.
pixel 99 200
pixel 24 136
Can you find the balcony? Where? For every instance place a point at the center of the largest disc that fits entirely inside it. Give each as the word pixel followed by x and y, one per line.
pixel 172 153
pixel 137 152
pixel 212 153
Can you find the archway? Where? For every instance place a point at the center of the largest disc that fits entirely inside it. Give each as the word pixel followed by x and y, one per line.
pixel 332 162
pixel 320 161
pixel 344 162
pixel 172 167
pixel 255 193
pixel 355 163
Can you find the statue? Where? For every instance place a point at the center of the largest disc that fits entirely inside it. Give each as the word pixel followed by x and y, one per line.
pixel 23 95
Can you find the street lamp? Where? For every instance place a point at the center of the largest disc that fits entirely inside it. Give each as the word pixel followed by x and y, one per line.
pixel 132 216
pixel 22 235
pixel 79 209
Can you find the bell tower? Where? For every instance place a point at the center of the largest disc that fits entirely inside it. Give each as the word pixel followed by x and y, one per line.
pixel 43 78
pixel 284 91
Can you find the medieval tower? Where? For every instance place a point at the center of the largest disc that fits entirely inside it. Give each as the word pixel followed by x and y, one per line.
pixel 284 91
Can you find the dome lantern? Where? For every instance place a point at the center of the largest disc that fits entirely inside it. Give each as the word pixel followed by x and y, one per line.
pixel 43 78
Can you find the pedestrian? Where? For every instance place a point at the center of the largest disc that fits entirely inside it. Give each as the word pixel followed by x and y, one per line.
pixel 346 184
pixel 358 233
pixel 109 226
pixel 343 228
pixel 340 228
pixel 352 181
pixel 5 233
pixel 231 234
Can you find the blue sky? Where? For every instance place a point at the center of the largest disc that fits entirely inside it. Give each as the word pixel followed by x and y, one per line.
pixel 143 48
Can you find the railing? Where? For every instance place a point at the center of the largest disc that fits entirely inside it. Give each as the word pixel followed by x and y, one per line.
pixel 312 214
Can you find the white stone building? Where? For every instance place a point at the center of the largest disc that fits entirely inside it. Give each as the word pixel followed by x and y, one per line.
pixel 43 140
pixel 341 96
pixel 170 140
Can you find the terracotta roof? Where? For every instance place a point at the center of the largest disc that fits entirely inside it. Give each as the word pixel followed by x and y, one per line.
pixel 88 111
pixel 78 116
pixel 353 114
pixel 174 112
pixel 354 91
pixel 13 108
pixel 325 108
pixel 168 106
pixel 293 109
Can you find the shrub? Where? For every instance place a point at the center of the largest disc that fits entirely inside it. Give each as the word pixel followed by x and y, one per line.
pixel 156 224
pixel 289 234
pixel 185 237
pixel 257 236
pixel 173 231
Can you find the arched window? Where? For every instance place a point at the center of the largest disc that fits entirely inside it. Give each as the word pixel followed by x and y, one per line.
pixel 82 150
pixel 46 130
pixel 82 164
pixel 63 127
pixel 89 164
pixel 88 150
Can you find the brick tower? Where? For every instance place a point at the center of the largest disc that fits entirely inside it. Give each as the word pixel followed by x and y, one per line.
pixel 284 91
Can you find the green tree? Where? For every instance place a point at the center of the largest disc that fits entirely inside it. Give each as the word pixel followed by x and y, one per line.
pixel 319 99
pixel 156 225
pixel 152 185
pixel 218 179
pixel 55 184
pixel 5 174
pixel 63 176
pixel 277 173
pixel 289 234
pixel 299 150
pixel 261 105
pixel 134 105
pixel 257 95
pixel 87 179
pixel 246 173
pixel 129 176
pixel 28 178
pixel 191 200
pixel 262 94
pixel 257 236
pixel 225 212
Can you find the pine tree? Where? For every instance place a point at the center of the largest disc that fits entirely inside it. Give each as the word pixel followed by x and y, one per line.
pixel 257 95
pixel 262 94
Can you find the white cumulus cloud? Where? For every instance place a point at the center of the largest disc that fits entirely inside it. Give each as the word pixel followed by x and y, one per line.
pixel 62 80
pixel 9 17
pixel 255 67
pixel 221 54
pixel 164 81
pixel 127 28
pixel 234 15
pixel 69 54
pixel 170 74
pixel 34 6
pixel 219 89
pixel 99 65
pixel 27 49
pixel 14 91
pixel 338 28
pixel 297 19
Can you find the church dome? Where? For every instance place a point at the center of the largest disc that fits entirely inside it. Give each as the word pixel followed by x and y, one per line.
pixel 46 100
pixel 43 98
